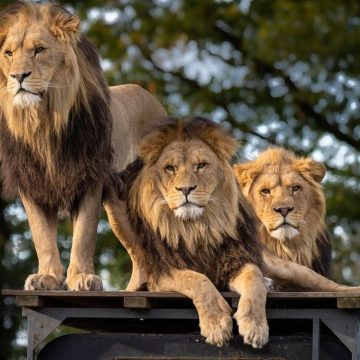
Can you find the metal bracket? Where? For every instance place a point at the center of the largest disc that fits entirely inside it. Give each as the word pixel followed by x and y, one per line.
pixel 40 326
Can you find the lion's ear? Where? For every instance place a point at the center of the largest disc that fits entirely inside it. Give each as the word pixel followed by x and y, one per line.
pixel 223 143
pixel 151 147
pixel 64 25
pixel 245 174
pixel 311 167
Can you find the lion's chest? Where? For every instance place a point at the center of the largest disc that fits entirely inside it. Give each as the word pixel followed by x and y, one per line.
pixel 219 263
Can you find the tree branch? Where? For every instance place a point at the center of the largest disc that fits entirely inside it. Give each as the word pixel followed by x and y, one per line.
pixel 305 107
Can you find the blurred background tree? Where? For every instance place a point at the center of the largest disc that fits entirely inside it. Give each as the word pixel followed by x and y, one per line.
pixel 273 72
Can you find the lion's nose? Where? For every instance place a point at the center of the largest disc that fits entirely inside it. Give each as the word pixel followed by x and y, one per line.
pixel 186 190
pixel 20 77
pixel 284 211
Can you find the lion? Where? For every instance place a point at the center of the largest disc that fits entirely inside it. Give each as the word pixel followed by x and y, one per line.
pixel 287 196
pixel 195 233
pixel 62 133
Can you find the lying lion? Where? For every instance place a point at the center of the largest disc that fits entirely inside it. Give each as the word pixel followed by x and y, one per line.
pixel 286 194
pixel 194 232
pixel 60 126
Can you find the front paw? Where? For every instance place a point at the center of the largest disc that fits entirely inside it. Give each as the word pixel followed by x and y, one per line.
pixel 84 282
pixel 42 282
pixel 252 324
pixel 216 322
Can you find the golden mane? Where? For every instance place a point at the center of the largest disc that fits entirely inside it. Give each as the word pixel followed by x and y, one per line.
pixel 149 203
pixel 42 124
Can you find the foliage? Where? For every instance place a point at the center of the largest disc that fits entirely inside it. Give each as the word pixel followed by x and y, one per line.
pixel 274 72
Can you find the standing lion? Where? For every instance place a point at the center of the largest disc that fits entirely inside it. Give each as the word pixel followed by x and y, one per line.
pixel 60 127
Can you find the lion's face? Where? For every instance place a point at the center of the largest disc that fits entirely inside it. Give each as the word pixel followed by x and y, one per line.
pixel 189 173
pixel 33 52
pixel 282 200
pixel 30 60
pixel 186 187
pixel 284 191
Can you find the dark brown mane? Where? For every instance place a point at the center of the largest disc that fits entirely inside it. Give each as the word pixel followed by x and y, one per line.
pixel 224 262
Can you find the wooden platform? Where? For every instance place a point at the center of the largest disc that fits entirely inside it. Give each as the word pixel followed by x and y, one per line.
pixel 146 299
pixel 141 325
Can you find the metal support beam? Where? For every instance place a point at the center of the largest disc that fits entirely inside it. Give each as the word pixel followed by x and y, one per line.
pixel 316 339
pixel 40 326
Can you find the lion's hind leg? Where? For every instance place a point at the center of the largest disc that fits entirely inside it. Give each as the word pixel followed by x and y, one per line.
pixel 295 276
pixel 214 312
pixel 116 212
pixel 251 313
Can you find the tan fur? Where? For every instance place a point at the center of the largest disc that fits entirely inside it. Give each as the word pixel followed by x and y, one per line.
pixel 296 276
pixel 214 312
pixel 279 170
pixel 57 80
pixel 251 314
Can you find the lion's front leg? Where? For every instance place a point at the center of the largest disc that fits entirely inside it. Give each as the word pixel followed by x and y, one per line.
pixel 116 212
pixel 50 275
pixel 292 275
pixel 251 313
pixel 81 274
pixel 214 312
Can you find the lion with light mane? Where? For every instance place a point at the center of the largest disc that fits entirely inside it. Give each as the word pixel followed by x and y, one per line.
pixel 60 128
pixel 286 194
pixel 195 233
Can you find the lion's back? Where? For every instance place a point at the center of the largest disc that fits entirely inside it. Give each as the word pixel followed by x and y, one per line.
pixel 135 111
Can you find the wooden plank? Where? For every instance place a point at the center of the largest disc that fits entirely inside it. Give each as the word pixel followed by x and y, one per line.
pixel 90 294
pixel 138 302
pixel 348 303
pixel 168 295
pixel 29 301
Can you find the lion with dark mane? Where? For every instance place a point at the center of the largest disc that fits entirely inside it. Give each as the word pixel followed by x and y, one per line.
pixel 286 194
pixel 60 127
pixel 195 233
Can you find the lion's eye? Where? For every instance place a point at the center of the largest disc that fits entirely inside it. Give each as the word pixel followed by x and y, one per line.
pixel 265 191
pixel 9 53
pixel 170 169
pixel 296 188
pixel 201 165
pixel 39 49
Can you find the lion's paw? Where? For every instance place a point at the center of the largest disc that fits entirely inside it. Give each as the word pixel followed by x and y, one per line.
pixel 253 328
pixel 41 282
pixel 84 282
pixel 216 323
pixel 269 284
